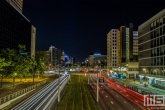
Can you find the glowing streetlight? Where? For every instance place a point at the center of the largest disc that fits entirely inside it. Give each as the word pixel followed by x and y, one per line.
pixel 15 74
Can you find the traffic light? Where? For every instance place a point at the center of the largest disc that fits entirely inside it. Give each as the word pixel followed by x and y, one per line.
pixel 121 77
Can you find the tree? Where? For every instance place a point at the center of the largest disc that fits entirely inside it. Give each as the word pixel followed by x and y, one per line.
pixel 37 65
pixel 41 67
pixel 10 56
pixel 3 65
pixel 17 61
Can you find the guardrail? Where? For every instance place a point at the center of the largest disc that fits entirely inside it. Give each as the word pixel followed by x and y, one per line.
pixel 19 93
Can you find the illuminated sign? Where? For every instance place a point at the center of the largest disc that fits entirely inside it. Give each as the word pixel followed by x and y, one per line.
pixel 97 54
pixel 101 79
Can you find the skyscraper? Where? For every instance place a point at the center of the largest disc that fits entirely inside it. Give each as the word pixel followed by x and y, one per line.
pixel 15 28
pixel 33 40
pixel 135 46
pixel 122 50
pixel 113 49
pixel 126 43
pixel 152 45
pixel 53 60
pixel 17 4
pixel 55 56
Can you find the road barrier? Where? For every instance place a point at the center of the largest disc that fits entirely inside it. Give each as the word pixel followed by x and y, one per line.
pixel 19 93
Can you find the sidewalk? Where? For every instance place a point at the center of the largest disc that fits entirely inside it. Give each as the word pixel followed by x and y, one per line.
pixel 149 88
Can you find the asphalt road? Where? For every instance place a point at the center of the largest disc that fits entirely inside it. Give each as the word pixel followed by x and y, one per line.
pixel 44 98
pixel 110 99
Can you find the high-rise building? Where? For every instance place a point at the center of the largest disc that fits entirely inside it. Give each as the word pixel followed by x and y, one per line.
pixel 135 46
pixel 17 4
pixel 15 29
pixel 33 41
pixel 55 57
pixel 113 49
pixel 126 43
pixel 122 50
pixel 45 55
pixel 152 45
pixel 53 60
pixel 98 60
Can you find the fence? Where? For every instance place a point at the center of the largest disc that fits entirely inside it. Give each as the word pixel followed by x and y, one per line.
pixel 19 93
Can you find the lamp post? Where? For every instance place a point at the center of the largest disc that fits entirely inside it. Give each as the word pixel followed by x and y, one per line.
pixel 14 79
pixel 88 71
pixel 59 80
pixel 50 66
pixel 97 86
pixel 145 74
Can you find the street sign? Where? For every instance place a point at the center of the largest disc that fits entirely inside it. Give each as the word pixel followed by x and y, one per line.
pixel 101 79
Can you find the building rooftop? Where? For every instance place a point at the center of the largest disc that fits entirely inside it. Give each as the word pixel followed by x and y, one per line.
pixel 151 19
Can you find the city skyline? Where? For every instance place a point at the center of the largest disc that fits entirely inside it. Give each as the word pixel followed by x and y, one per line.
pixel 81 27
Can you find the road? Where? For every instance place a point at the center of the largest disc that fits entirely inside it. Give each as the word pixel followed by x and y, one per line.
pixel 44 98
pixel 110 99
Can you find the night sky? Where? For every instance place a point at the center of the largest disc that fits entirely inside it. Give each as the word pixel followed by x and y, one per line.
pixel 80 27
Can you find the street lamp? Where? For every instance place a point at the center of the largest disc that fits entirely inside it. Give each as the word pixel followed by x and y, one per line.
pixel 14 79
pixel 145 74
pixel 59 62
pixel 49 66
pixel 97 86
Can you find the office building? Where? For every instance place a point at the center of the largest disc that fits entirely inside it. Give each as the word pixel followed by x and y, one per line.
pixel 135 46
pixel 45 55
pixel 113 49
pixel 17 4
pixel 128 51
pixel 98 60
pixel 33 41
pixel 15 29
pixel 53 60
pixel 126 43
pixel 55 57
pixel 122 50
pixel 152 45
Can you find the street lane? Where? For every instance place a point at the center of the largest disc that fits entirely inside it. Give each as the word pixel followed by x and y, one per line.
pixel 44 97
pixel 112 98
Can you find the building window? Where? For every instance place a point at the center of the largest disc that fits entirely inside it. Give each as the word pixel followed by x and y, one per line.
pixel 157 32
pixel 151 35
pixel 160 30
pixel 161 40
pixel 163 29
pixel 161 20
pixel 151 26
pixel 154 34
pixel 162 50
pixel 158 42
pixel 154 24
pixel 157 23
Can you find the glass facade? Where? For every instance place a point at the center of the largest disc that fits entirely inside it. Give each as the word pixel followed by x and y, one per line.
pixel 126 36
pixel 152 46
pixel 15 29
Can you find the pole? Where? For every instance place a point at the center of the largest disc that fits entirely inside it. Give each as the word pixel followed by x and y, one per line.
pixel 59 84
pixel 13 81
pixel 88 72
pixel 88 78
pixel 97 86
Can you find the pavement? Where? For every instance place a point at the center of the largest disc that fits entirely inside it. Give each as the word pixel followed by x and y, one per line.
pixel 148 88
